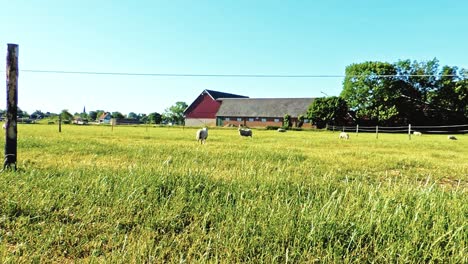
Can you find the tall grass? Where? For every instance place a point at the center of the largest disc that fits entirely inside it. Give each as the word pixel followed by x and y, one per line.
pixel 145 194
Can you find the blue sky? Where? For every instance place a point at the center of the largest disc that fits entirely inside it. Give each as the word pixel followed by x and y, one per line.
pixel 214 37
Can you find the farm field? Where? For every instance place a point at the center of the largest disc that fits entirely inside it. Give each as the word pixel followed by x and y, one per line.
pixel 152 194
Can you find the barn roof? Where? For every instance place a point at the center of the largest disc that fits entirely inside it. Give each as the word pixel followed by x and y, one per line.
pixel 213 94
pixel 264 107
pixel 217 95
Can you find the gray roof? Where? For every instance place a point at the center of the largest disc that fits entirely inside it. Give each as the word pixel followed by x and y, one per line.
pixel 264 107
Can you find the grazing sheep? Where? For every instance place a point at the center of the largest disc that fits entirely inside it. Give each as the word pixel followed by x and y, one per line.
pixel 281 129
pixel 452 137
pixel 343 135
pixel 245 132
pixel 202 135
pixel 417 133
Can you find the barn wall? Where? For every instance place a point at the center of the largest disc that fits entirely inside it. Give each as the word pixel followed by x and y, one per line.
pixel 257 122
pixel 199 122
pixel 205 107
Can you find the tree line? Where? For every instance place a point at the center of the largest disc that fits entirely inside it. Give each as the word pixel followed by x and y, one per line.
pixel 173 114
pixel 401 93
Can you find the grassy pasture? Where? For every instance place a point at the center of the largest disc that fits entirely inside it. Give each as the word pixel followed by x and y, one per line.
pixel 146 194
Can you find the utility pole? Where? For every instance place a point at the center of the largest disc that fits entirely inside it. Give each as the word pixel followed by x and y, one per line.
pixel 11 129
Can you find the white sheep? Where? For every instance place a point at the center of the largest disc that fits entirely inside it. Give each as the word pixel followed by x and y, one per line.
pixel 343 135
pixel 202 135
pixel 244 132
pixel 452 137
pixel 281 130
pixel 417 133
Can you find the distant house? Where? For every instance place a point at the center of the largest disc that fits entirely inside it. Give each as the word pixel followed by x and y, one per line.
pixel 105 118
pixel 80 121
pixel 261 112
pixel 203 110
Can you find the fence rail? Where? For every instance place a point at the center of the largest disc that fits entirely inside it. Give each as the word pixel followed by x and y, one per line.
pixel 446 129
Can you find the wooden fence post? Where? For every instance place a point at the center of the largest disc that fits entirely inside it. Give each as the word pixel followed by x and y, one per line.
pixel 11 142
pixel 377 132
pixel 409 131
pixel 357 130
pixel 60 123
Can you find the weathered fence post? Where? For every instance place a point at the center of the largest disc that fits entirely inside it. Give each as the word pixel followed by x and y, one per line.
pixel 11 129
pixel 60 123
pixel 377 132
pixel 357 130
pixel 409 131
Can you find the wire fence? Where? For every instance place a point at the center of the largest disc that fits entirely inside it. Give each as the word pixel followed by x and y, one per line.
pixel 409 129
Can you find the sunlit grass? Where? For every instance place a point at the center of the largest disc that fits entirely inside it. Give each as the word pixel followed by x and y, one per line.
pixel 136 194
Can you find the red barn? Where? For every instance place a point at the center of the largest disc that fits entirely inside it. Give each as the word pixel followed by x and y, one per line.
pixel 203 110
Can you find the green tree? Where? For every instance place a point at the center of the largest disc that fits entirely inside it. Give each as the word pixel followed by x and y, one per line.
pixel 132 115
pixel 117 115
pixel 143 118
pixel 66 115
pixel 99 114
pixel 328 110
pixel 175 113
pixel 421 77
pixel 92 115
pixel 155 118
pixel 21 113
pixel 432 96
pixel 287 121
pixel 371 89
pixel 300 120
pixel 461 90
pixel 37 114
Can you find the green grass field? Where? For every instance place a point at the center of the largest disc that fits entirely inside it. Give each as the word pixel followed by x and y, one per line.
pixel 152 194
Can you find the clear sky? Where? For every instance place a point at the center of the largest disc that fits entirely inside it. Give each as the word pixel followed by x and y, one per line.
pixel 214 37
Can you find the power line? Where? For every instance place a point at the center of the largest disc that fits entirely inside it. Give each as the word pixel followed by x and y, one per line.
pixel 229 75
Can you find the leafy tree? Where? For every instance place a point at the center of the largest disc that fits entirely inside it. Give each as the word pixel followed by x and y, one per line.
pixel 155 118
pixel 430 98
pixel 328 110
pixel 92 115
pixel 117 115
pixel 420 77
pixel 461 91
pixel 37 114
pixel 65 115
pixel 287 121
pixel 132 115
pixel 371 89
pixel 300 120
pixel 21 113
pixel 143 118
pixel 175 113
pixel 99 113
